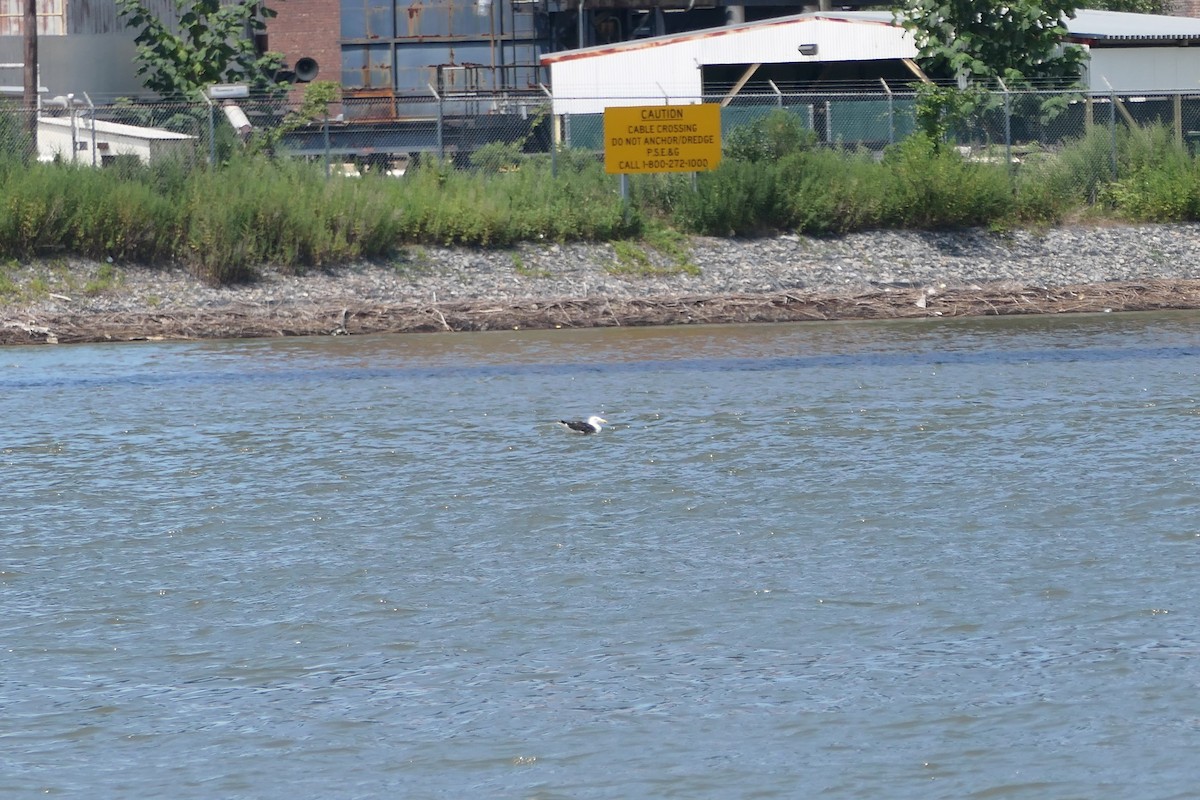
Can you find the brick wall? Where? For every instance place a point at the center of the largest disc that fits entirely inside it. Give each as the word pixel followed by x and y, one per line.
pixel 309 28
pixel 1183 8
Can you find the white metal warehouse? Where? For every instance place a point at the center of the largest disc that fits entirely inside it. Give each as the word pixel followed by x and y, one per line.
pixel 1127 53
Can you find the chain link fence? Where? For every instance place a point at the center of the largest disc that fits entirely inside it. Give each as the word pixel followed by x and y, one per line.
pixel 387 134
pixel 1041 135
pixel 355 136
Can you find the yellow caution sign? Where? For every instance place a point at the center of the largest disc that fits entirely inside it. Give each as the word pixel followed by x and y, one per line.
pixel 662 138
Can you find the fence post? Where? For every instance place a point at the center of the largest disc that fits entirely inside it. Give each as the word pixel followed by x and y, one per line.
pixel 441 143
pixel 325 134
pixel 92 112
pixel 1178 113
pixel 1112 133
pixel 1007 126
pixel 891 112
pixel 74 129
pixel 553 133
pixel 624 187
pixel 212 133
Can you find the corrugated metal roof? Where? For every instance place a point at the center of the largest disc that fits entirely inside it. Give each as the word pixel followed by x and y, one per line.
pixel 1087 26
pixel 115 129
pixel 857 17
pixel 1117 26
pixel 1113 26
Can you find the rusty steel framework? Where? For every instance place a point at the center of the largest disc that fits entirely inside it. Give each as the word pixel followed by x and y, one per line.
pixel 393 50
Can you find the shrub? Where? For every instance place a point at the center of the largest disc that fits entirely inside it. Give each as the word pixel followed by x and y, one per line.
pixel 225 223
pixel 739 198
pixel 768 138
pixel 830 193
pixel 929 186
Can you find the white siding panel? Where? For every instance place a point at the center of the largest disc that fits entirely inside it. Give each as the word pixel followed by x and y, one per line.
pixel 71 140
pixel 836 41
pixel 667 70
pixel 650 76
pixel 1145 69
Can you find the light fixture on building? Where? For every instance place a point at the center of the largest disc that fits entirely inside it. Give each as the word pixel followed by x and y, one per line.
pixel 808 49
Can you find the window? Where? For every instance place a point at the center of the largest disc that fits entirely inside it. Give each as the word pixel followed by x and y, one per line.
pixel 51 16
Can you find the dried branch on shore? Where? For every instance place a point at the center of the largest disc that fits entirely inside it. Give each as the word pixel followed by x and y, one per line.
pixel 256 321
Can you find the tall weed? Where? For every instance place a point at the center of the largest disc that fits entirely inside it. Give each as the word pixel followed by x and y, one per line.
pixel 1159 180
pixel 935 187
pixel 739 198
pixel 831 193
pixel 229 222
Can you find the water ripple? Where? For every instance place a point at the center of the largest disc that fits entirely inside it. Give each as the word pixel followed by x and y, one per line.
pixel 896 560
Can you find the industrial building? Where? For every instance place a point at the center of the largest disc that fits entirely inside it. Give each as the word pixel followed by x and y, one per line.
pixel 845 51
pixel 391 56
pixel 800 52
pixel 416 74
pixel 385 52
pixel 79 139
pixel 382 52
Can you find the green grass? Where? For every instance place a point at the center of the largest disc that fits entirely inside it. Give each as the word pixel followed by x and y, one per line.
pixel 634 259
pixel 38 287
pixel 523 269
pixel 25 284
pixel 106 279
pixel 8 286
pixel 631 259
pixel 253 212
pixel 227 224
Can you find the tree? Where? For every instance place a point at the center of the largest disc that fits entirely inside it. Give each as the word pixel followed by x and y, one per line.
pixel 1020 42
pixel 215 44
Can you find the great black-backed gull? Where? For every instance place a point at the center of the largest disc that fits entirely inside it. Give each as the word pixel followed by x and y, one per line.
pixel 590 425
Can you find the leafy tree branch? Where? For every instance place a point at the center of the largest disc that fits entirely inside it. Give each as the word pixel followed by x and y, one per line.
pixel 1021 42
pixel 214 44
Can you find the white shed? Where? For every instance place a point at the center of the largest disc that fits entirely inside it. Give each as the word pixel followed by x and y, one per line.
pixel 1143 53
pixel 677 68
pixel 81 140
pixel 1127 53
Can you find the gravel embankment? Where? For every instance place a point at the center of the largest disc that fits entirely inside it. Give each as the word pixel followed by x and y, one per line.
pixel 885 273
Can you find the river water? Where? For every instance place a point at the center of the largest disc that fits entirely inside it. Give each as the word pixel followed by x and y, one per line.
pixel 939 559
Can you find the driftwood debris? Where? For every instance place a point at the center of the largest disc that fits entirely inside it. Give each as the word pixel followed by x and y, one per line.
pixel 249 321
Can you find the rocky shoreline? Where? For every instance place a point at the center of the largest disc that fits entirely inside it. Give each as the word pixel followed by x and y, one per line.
pixel 881 274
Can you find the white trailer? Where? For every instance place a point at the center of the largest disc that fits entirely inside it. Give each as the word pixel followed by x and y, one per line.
pixel 78 139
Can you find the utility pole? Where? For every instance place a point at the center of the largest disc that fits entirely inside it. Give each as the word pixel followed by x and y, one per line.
pixel 31 73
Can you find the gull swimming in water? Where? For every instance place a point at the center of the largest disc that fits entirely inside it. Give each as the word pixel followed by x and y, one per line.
pixel 590 425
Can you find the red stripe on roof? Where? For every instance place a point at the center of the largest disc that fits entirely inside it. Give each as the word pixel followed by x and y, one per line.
pixel 709 33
